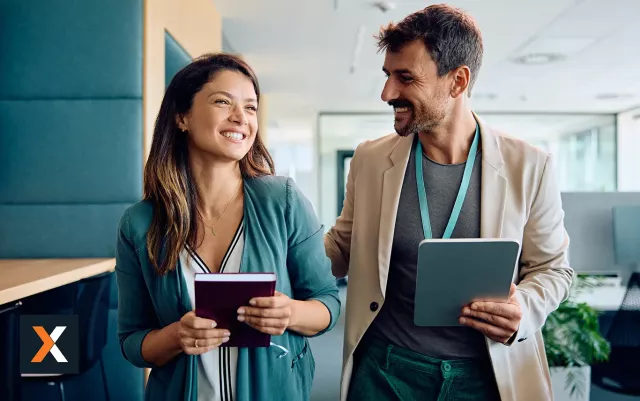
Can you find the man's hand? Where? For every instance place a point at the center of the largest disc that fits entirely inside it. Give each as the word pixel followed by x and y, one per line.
pixel 271 315
pixel 497 320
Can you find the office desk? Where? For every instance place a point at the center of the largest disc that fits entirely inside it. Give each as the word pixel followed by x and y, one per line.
pixel 20 278
pixel 603 298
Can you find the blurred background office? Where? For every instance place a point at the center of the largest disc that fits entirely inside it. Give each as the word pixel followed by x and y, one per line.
pixel 81 83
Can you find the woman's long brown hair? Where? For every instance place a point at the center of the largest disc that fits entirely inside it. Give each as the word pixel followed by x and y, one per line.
pixel 168 181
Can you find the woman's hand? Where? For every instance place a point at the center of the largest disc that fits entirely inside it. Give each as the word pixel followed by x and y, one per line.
pixel 197 335
pixel 270 315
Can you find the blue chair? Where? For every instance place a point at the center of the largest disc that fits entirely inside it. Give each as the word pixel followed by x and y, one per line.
pixel 92 307
pixel 620 373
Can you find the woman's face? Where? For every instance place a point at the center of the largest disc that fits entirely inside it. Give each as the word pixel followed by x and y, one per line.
pixel 223 120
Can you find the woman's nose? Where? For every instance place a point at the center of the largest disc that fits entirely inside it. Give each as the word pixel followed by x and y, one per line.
pixel 238 116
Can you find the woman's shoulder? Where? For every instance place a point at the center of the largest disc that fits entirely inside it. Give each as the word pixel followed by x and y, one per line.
pixel 269 188
pixel 268 183
pixel 281 196
pixel 279 188
pixel 137 218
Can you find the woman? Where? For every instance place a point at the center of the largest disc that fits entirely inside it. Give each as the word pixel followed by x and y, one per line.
pixel 212 204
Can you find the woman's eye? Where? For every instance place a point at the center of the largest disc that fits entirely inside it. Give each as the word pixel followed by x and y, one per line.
pixel 221 101
pixel 252 108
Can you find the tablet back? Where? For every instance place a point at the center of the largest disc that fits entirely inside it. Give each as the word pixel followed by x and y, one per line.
pixel 454 272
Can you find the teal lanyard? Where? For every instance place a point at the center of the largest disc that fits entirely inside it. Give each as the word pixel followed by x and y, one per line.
pixel 462 191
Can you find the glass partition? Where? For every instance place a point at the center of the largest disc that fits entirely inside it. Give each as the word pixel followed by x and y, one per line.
pixel 583 146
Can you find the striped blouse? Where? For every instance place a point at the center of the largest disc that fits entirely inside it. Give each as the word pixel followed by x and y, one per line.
pixel 216 368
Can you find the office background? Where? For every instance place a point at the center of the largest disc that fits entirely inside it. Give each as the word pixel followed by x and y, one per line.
pixel 81 83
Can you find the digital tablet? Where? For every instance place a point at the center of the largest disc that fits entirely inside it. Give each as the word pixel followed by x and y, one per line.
pixel 452 273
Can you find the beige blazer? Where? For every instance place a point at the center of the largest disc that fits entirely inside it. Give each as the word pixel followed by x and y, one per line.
pixel 519 199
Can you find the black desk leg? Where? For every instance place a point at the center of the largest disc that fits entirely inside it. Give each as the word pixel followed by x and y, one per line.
pixel 10 381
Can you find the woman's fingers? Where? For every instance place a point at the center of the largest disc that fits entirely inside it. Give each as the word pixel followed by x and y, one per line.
pixel 199 335
pixel 274 331
pixel 203 344
pixel 204 333
pixel 194 322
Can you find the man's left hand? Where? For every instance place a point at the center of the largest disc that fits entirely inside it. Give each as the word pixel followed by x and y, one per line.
pixel 497 320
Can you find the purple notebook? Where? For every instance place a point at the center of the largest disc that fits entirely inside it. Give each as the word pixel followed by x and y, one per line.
pixel 219 295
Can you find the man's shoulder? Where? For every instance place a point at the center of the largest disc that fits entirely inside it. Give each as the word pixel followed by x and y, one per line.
pixel 383 144
pixel 518 150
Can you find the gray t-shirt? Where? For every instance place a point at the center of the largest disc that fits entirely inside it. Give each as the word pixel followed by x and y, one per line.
pixel 394 323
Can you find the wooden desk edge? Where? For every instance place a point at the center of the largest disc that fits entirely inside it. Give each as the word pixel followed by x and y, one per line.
pixel 48 283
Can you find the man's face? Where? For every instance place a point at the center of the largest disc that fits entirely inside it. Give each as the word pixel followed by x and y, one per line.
pixel 419 97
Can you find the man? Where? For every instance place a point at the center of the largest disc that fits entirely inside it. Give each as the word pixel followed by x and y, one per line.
pixel 432 61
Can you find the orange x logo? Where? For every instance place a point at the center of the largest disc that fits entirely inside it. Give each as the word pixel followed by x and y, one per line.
pixel 49 344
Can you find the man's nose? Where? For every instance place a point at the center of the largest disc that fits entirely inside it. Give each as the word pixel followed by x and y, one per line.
pixel 389 92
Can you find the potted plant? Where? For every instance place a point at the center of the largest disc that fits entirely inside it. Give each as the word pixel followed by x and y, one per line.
pixel 573 343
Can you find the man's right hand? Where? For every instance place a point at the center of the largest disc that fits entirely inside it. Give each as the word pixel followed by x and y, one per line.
pixel 198 335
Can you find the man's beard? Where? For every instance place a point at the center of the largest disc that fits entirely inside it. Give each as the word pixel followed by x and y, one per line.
pixel 421 120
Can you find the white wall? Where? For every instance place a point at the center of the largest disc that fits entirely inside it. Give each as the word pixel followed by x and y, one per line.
pixel 292 145
pixel 628 150
pixel 575 169
pixel 342 132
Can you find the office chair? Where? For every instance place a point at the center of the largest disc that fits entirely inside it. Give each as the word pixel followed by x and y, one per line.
pixel 92 308
pixel 10 351
pixel 621 373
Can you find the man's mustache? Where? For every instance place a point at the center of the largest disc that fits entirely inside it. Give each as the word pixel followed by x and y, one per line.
pixel 399 103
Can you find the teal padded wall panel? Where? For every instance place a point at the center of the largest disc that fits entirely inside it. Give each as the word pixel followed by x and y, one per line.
pixel 70 49
pixel 175 57
pixel 82 151
pixel 59 231
pixel 71 147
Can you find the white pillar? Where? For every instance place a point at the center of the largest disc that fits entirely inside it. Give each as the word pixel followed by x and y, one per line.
pixel 628 143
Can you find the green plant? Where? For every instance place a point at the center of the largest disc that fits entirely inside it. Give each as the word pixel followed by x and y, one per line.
pixel 572 337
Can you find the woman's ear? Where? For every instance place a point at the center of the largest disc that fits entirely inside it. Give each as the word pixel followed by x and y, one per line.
pixel 181 122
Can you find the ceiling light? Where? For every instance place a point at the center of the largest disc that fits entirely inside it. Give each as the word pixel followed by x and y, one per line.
pixel 384 6
pixel 484 96
pixel 538 58
pixel 557 45
pixel 357 48
pixel 614 96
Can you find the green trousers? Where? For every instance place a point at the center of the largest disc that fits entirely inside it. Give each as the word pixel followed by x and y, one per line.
pixel 388 373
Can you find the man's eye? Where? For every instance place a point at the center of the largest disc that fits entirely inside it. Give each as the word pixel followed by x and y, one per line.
pixel 405 78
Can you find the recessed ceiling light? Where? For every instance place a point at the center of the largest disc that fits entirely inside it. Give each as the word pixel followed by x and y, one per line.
pixel 484 96
pixel 614 96
pixel 384 6
pixel 538 58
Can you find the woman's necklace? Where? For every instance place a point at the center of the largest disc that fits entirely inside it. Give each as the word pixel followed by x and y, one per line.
pixel 212 228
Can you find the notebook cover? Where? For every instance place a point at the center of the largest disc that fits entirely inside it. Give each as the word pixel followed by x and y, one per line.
pixel 220 300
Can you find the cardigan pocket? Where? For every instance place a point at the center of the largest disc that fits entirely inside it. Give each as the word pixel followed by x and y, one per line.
pixel 301 355
pixel 303 368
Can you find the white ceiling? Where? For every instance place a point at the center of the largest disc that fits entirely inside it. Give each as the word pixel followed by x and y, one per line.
pixel 303 51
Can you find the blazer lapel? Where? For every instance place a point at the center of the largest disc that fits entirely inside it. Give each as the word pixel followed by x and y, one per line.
pixel 392 181
pixel 494 185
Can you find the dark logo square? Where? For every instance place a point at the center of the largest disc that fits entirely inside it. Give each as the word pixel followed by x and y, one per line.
pixel 49 344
